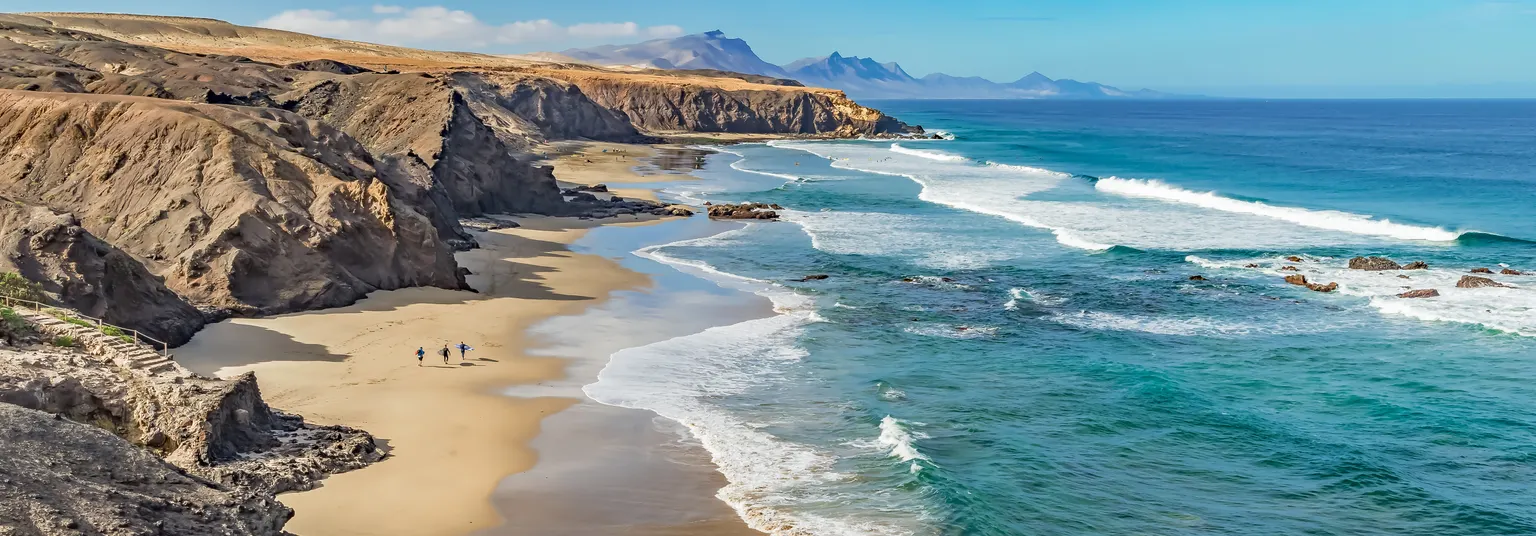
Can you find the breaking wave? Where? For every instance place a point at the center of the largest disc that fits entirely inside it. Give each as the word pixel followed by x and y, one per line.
pixel 1320 219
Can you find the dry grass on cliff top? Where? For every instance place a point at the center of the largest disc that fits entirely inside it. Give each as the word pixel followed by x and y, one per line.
pixel 210 36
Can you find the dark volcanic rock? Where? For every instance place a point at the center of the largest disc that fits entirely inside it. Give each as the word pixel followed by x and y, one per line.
pixel 1373 264
pixel 1472 281
pixel 1197 278
pixel 1420 293
pixel 814 277
pixel 327 66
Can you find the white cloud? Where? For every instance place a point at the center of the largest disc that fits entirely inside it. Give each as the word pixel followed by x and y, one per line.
pixel 664 31
pixel 398 25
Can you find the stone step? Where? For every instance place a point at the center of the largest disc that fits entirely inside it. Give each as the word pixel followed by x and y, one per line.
pixel 162 367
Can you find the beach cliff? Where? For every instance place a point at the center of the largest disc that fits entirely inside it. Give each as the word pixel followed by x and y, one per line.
pixel 165 173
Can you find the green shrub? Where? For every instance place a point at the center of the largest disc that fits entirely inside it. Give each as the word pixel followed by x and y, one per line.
pixel 77 321
pixel 13 285
pixel 64 341
pixel 12 325
pixel 117 332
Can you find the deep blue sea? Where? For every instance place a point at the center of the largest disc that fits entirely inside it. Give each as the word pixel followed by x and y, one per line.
pixel 1009 341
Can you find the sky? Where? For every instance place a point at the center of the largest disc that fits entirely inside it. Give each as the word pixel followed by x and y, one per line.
pixel 1269 48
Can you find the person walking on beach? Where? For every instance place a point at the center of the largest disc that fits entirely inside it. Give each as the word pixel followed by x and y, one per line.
pixel 444 353
pixel 421 353
pixel 463 348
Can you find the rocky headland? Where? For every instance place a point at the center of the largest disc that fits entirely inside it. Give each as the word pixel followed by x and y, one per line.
pixel 161 173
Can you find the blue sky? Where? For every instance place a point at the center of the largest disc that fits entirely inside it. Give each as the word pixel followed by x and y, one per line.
pixel 1298 48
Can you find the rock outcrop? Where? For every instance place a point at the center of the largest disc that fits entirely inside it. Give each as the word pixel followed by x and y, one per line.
pixel 86 274
pixel 63 478
pixel 1472 281
pixel 1301 280
pixel 1420 293
pixel 1373 264
pixel 1416 265
pixel 1510 271
pixel 1481 271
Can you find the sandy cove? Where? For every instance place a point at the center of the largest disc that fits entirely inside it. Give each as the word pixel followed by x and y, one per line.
pixel 451 437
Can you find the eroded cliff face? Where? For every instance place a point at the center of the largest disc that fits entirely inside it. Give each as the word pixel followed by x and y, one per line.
pixel 162 452
pixel 89 275
pixel 659 104
pixel 242 208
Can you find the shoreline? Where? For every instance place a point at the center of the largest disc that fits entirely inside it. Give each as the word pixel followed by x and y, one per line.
pixel 455 432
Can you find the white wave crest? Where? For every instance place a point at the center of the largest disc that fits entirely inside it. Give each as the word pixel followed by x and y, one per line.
pixel 1028 169
pixel 894 436
pixel 951 332
pixel 1018 293
pixel 1186 327
pixel 931 155
pixel 1319 219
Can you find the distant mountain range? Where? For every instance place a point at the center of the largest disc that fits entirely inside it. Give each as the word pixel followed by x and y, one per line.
pixel 860 78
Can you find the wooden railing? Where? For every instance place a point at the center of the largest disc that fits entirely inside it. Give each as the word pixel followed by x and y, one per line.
pixel 138 337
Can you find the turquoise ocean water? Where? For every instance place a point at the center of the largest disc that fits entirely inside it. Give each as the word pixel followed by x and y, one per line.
pixel 1009 341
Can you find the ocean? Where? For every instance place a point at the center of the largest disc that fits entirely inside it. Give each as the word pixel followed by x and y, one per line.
pixel 1010 342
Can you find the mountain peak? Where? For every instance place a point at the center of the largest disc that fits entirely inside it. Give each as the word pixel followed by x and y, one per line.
pixel 714 34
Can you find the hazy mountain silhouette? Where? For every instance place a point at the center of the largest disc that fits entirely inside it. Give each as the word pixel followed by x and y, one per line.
pixel 860 78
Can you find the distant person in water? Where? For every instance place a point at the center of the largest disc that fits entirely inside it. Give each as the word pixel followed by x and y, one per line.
pixel 444 353
pixel 463 348
pixel 421 353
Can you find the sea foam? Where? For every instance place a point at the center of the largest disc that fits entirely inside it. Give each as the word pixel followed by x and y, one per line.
pixel 1319 219
pixel 773 483
pixel 931 155
pixel 1113 217
pixel 1510 309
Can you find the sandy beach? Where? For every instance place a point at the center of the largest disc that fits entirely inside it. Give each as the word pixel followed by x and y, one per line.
pixel 451 433
pixel 618 164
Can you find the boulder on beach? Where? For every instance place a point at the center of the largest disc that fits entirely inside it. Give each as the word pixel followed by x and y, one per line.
pixel 744 211
pixel 1420 293
pixel 1481 271
pixel 1472 281
pixel 1373 264
pixel 1508 271
pixel 1416 265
